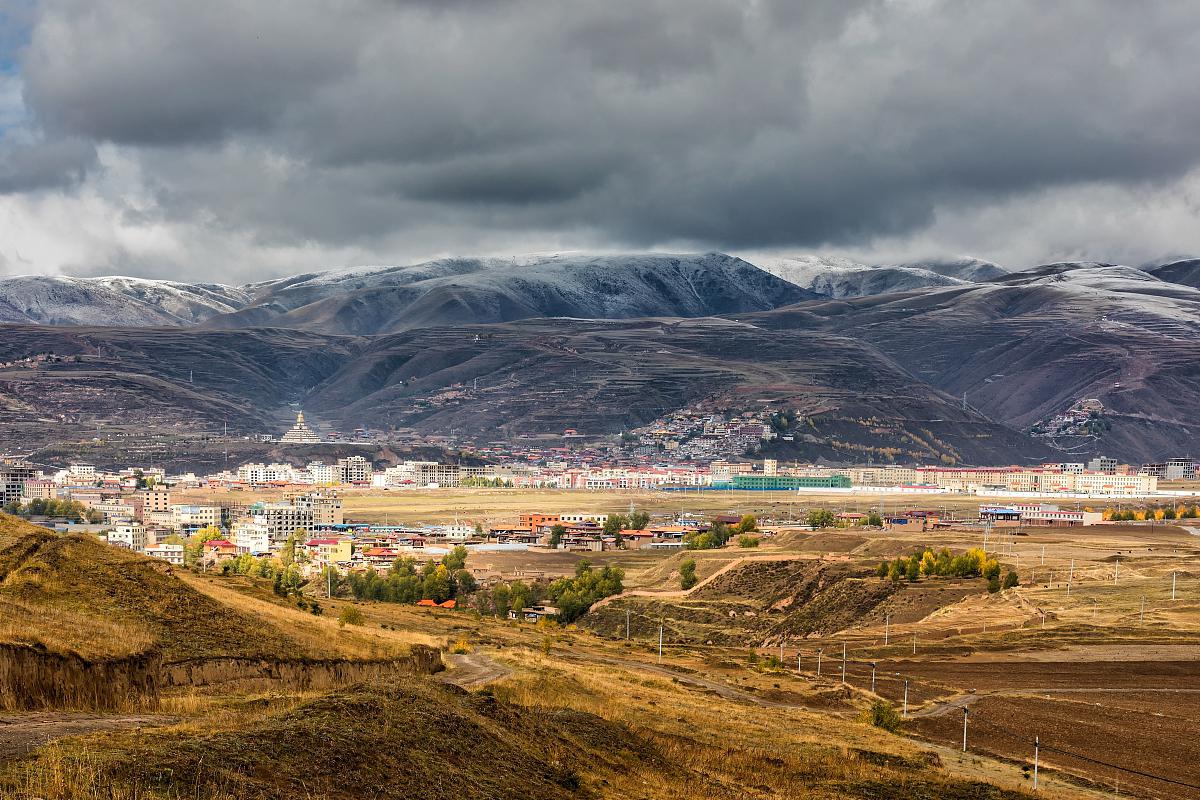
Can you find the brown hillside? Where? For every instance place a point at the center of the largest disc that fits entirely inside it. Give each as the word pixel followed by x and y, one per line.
pixel 75 594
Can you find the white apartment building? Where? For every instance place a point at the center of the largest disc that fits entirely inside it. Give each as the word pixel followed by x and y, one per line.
pixel 132 536
pixel 266 473
pixel 190 516
pixel 171 553
pixel 323 474
pixel 252 536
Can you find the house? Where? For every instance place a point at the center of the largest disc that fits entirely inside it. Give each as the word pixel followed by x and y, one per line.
pixel 171 553
pixel 219 549
pixel 330 551
pixel 636 539
pixel 533 613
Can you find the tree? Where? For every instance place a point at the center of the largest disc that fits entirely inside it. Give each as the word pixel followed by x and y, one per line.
pixel 884 568
pixel 821 518
pixel 882 714
pixel 913 569
pixel 557 532
pixel 613 525
pixel 456 559
pixel 687 574
pixel 1168 513
pixel 574 596
pixel 638 520
pixel 746 540
pixel 350 616
pixel 464 583
pixel 1011 579
pixel 748 523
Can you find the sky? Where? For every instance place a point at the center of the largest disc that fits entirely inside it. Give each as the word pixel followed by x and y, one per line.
pixel 233 141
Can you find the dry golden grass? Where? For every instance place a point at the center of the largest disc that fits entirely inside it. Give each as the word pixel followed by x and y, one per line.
pixel 321 635
pixel 62 630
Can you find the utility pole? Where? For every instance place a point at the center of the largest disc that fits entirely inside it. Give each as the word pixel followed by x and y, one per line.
pixel 660 638
pixel 797 661
pixel 872 677
pixel 1037 746
pixel 964 729
pixel 1172 585
pixel 1043 556
pixel 1117 570
pixel 914 643
pixel 627 624
pixel 843 663
pixel 819 652
pixel 906 697
pixel 1071 577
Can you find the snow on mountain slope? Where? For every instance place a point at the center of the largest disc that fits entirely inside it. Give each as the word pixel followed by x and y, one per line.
pixel 366 301
pixel 1185 272
pixel 113 301
pixel 842 277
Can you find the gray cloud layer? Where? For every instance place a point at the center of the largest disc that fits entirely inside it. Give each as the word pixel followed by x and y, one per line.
pixel 278 135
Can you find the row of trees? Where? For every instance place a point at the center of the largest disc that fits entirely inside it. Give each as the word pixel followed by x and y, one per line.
pixel 719 534
pixel 405 583
pixel 1168 513
pixel 574 596
pixel 824 518
pixel 486 483
pixel 55 507
pixel 971 564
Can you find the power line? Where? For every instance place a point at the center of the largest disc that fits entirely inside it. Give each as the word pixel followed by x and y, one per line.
pixel 1018 737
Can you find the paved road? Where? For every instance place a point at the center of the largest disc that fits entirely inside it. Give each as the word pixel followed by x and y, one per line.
pixel 23 733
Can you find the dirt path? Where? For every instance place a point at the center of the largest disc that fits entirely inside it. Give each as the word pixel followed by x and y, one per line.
pixel 472 671
pixel 23 733
pixel 677 593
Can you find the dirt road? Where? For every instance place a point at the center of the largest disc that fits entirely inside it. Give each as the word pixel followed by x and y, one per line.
pixel 23 733
pixel 472 670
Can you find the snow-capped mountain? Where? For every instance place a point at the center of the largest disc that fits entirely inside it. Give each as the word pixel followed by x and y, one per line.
pixel 839 277
pixel 372 300
pixel 113 301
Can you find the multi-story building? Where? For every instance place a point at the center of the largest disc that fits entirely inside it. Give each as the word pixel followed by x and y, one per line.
pixel 156 499
pixel 252 536
pixel 13 476
pixel 171 553
pixel 323 508
pixel 1103 464
pixel 131 536
pixel 259 474
pixel 354 469
pixel 323 474
pixel 281 520
pixel 187 517
pixel 38 490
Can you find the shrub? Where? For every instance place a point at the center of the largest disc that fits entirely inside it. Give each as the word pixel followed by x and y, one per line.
pixel 1011 579
pixel 687 574
pixel 882 572
pixel 350 616
pixel 746 540
pixel 461 647
pixel 883 714
pixel 993 585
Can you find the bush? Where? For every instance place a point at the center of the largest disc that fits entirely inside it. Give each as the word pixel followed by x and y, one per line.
pixel 746 540
pixel 993 585
pixel 884 567
pixel 883 714
pixel 350 616
pixel 461 647
pixel 1011 579
pixel 687 574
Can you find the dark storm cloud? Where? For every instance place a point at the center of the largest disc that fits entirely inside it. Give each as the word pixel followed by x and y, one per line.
pixel 29 167
pixel 630 122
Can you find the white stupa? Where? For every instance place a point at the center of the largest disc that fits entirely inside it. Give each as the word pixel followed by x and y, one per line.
pixel 300 433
